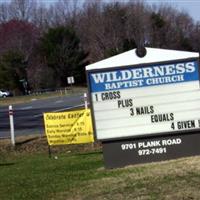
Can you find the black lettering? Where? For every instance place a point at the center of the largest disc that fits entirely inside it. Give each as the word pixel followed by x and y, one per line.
pixel 171 116
pixel 172 126
pixel 110 95
pixel 55 117
pixel 131 111
pixel 118 94
pixel 119 102
pixel 186 124
pixel 75 115
pixel 144 110
pixel 162 117
pixel 125 103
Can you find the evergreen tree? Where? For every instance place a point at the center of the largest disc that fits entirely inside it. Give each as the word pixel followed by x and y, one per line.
pixel 13 71
pixel 60 49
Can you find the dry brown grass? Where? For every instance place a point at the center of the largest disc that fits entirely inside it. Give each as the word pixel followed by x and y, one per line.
pixel 169 180
pixel 38 144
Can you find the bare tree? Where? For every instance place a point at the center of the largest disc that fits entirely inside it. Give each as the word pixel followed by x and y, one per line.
pixel 138 22
pixel 106 28
pixel 90 29
pixel 4 12
pixel 22 9
pixel 194 39
pixel 64 12
pixel 41 17
pixel 170 28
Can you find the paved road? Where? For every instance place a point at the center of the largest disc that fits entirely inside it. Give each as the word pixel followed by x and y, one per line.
pixel 28 117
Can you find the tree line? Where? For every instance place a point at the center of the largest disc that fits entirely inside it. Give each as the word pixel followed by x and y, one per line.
pixel 41 45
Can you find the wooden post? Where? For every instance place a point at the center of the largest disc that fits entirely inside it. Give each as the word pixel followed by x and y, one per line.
pixel 49 150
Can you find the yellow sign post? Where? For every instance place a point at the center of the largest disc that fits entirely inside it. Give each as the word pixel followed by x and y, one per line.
pixel 73 127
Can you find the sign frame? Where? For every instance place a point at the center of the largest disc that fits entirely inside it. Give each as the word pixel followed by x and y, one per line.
pixel 135 66
pixel 189 139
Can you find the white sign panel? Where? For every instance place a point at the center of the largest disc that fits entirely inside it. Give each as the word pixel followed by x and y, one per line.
pixel 142 100
pixel 70 80
pixel 161 96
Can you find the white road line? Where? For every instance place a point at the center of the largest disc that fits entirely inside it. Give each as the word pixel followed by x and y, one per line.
pixel 59 101
pixel 26 108
pixel 62 109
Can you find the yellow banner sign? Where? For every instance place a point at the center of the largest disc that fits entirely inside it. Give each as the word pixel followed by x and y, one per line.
pixel 72 127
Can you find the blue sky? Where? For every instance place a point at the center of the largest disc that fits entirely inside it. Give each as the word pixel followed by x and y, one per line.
pixel 190 6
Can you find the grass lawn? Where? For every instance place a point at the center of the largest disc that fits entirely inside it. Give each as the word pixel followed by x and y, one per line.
pixel 28 98
pixel 78 173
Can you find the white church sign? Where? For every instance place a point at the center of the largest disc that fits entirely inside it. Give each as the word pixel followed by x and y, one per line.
pixel 151 96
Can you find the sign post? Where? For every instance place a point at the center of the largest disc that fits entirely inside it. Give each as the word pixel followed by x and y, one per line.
pixel 146 109
pixel 12 131
pixel 70 80
pixel 85 100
